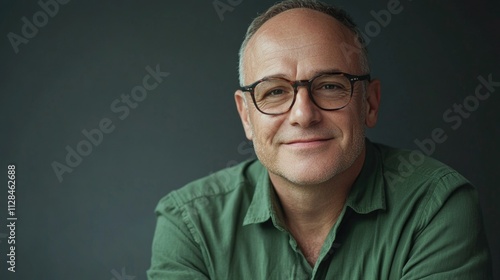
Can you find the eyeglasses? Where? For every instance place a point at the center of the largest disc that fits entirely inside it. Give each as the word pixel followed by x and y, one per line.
pixel 328 91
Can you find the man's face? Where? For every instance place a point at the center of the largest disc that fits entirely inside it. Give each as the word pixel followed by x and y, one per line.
pixel 307 145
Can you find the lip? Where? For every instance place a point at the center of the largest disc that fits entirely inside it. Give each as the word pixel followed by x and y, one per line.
pixel 308 143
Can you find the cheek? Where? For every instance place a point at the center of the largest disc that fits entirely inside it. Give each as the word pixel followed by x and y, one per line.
pixel 352 122
pixel 264 128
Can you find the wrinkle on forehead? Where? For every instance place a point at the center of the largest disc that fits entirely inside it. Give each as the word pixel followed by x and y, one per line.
pixel 299 37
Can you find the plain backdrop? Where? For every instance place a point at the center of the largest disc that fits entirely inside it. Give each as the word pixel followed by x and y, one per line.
pixel 98 222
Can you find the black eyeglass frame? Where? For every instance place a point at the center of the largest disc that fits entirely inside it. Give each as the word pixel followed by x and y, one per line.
pixel 307 83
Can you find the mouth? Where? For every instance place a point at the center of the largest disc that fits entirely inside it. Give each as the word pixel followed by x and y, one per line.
pixel 308 143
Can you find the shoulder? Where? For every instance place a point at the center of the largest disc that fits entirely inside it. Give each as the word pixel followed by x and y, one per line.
pixel 419 183
pixel 437 209
pixel 406 168
pixel 214 187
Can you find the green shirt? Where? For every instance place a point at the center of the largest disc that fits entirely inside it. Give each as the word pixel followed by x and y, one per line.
pixel 406 217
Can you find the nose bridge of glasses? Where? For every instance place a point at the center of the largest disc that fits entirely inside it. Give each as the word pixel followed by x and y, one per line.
pixel 301 83
pixel 307 87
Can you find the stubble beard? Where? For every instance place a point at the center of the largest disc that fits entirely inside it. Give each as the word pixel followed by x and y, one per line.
pixel 345 160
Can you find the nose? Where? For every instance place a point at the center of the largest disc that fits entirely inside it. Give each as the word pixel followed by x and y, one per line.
pixel 304 112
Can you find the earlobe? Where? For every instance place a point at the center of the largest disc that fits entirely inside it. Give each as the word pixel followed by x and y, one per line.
pixel 372 103
pixel 242 106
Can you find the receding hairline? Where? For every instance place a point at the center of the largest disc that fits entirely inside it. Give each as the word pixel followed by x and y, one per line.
pixel 266 24
pixel 340 16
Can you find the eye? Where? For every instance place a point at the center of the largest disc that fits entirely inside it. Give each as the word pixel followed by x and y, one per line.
pixel 273 89
pixel 275 92
pixel 331 86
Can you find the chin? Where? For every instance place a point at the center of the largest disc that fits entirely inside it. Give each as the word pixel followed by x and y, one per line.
pixel 314 170
pixel 306 181
pixel 310 175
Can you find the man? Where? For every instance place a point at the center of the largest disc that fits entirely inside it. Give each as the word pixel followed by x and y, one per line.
pixel 321 201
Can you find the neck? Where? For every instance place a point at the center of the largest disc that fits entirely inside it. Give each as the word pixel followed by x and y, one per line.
pixel 312 210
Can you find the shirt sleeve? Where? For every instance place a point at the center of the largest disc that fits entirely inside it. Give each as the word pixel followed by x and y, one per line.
pixel 451 242
pixel 175 253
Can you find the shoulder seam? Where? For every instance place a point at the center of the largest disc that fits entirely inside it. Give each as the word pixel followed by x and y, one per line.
pixel 422 210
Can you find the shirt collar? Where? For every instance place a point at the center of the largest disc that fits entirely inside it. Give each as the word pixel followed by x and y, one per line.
pixel 367 193
pixel 261 207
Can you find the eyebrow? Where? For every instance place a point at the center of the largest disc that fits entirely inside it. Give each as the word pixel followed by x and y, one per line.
pixel 314 74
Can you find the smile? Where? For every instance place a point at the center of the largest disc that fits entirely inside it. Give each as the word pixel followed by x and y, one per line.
pixel 308 143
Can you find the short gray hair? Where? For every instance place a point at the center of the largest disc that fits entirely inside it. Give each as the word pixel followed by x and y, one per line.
pixel 337 13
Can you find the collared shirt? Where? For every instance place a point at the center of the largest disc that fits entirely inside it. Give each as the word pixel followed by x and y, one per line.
pixel 407 216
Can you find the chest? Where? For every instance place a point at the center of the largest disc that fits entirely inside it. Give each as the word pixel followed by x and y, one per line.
pixel 311 248
pixel 277 257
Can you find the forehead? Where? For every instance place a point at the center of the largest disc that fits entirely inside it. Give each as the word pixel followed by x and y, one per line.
pixel 299 43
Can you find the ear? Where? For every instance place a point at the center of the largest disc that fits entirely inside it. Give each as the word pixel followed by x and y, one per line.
pixel 242 106
pixel 372 103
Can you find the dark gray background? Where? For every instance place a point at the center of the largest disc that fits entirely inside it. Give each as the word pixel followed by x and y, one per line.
pixel 99 219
